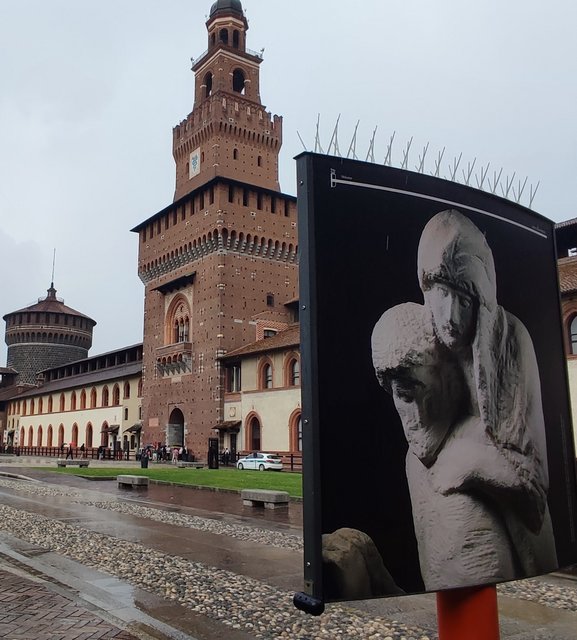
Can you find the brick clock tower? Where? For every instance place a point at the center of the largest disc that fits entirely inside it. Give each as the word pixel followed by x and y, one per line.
pixel 222 258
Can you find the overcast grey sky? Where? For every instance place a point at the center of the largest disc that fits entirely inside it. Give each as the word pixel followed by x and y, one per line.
pixel 90 91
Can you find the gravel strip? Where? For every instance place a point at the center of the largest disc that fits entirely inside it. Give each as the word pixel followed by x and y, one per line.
pixel 241 532
pixel 112 503
pixel 549 594
pixel 234 600
pixel 50 491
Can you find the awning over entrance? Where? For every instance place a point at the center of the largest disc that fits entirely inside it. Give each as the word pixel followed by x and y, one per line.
pixel 232 426
pixel 135 428
pixel 113 428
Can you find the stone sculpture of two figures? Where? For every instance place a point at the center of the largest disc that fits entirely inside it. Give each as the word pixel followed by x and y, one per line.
pixel 463 376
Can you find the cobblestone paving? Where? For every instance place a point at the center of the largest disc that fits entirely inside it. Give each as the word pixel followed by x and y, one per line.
pixel 234 600
pixel 243 603
pixel 30 611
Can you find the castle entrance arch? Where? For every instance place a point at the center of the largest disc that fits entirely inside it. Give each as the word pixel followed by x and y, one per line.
pixel 175 429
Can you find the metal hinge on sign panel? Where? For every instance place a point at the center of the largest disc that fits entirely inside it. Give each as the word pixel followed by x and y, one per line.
pixel 333 178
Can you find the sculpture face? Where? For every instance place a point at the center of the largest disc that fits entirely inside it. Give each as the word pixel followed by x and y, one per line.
pixel 420 397
pixel 453 313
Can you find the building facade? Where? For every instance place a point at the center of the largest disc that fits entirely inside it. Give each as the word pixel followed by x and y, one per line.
pixel 262 399
pixel 566 240
pixel 223 255
pixel 92 402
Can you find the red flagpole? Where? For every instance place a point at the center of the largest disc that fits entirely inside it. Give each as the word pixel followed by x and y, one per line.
pixel 468 614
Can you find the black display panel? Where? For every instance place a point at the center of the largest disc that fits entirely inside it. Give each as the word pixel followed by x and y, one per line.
pixel 438 448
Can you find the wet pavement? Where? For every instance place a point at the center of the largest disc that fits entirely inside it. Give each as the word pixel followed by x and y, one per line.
pixel 156 603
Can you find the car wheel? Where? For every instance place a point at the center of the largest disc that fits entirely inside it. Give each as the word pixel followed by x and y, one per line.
pixel 261 467
pixel 240 466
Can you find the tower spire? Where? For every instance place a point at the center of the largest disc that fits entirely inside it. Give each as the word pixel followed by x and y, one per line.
pixel 53 264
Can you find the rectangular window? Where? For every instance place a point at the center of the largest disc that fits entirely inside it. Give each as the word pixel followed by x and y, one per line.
pixel 125 413
pixel 233 378
pixel 259 200
pixel 272 204
pixel 211 195
pixel 286 208
pixel 174 217
pixel 230 193
pixel 245 197
pixel 202 200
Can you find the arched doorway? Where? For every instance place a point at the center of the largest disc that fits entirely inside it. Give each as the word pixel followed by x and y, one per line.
pixel 175 429
pixel 254 434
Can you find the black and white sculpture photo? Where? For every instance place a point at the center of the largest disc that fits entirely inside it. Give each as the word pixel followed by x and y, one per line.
pixel 463 377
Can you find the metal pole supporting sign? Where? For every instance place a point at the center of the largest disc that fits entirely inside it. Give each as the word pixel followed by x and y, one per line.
pixel 468 614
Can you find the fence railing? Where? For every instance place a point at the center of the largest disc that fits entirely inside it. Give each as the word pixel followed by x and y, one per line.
pixel 291 461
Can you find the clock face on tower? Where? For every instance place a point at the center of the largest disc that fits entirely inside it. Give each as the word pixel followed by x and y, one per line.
pixel 194 163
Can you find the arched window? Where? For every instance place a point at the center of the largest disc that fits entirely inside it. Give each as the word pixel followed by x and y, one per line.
pixel 60 435
pixel 22 435
pixel 127 390
pixel 74 440
pixel 88 436
pixel 116 395
pixel 235 154
pixel 32 407
pixel 238 80
pixel 235 38
pixel 254 434
pixel 177 323
pixel 40 405
pixel 140 388
pixel 294 373
pixel 83 399
pixel 296 431
pixel 62 402
pixel 23 407
pixel 49 436
pixel 265 375
pixel 104 434
pixel 93 398
pixel 73 401
pixel 573 335
pixel 30 436
pixel 50 403
pixel 39 437
pixel 223 36
pixel 208 84
pixel 105 398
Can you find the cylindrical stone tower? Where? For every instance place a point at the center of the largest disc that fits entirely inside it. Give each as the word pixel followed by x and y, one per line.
pixel 45 335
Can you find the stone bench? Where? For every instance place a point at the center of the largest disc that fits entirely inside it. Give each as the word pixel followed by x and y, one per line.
pixel 264 498
pixel 190 465
pixel 61 462
pixel 132 481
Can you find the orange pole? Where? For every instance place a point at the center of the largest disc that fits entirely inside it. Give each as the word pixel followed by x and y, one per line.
pixel 468 614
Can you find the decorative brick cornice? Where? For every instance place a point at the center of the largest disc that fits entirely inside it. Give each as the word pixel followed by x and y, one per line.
pixel 224 242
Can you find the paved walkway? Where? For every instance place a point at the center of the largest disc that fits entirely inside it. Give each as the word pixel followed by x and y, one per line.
pixel 29 609
pixel 204 579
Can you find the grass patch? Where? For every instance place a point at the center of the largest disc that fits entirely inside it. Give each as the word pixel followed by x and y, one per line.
pixel 217 478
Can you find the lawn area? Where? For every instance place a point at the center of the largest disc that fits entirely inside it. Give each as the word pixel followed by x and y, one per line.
pixel 219 478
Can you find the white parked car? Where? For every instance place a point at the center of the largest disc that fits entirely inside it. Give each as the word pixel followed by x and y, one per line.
pixel 260 461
